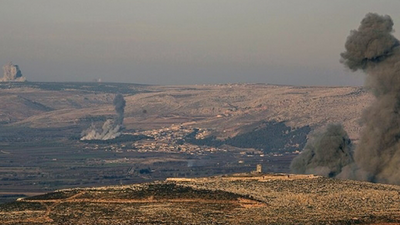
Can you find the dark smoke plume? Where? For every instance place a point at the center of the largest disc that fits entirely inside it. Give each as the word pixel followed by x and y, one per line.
pixel 373 49
pixel 119 104
pixel 111 128
pixel 325 154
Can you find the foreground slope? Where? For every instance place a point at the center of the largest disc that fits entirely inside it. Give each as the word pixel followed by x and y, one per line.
pixel 237 199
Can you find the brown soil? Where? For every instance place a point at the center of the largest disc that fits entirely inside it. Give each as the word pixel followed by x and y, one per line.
pixel 217 200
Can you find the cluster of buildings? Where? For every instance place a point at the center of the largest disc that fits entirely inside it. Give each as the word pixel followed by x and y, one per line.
pixel 172 139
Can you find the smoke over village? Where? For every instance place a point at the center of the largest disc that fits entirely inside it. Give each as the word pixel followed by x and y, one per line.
pixel 200 112
pixel 374 50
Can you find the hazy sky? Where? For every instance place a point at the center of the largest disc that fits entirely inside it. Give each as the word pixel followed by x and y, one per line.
pixel 295 42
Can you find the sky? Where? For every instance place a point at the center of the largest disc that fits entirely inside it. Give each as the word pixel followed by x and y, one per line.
pixel 168 42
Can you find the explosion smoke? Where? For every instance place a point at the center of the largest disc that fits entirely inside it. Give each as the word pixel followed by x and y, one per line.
pixel 325 153
pixel 111 128
pixel 119 104
pixel 373 49
pixel 12 73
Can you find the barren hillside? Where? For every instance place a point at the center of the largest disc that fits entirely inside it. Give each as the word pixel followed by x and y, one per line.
pixel 240 199
pixel 229 109
pixel 218 129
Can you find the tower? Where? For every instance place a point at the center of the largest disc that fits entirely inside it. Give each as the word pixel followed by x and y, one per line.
pixel 259 168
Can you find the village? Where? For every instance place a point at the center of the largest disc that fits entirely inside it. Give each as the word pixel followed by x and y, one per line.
pixel 173 139
pixel 170 139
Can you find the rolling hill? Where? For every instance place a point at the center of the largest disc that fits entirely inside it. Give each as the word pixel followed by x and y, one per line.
pixel 234 199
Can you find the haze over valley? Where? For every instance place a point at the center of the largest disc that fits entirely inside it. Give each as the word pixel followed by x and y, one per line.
pixel 198 120
pixel 199 112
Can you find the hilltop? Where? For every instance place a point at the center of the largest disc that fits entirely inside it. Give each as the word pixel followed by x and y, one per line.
pixel 235 199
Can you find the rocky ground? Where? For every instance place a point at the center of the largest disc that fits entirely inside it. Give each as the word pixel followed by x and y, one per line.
pixel 266 199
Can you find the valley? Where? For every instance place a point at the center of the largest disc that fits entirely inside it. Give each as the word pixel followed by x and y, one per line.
pixel 169 131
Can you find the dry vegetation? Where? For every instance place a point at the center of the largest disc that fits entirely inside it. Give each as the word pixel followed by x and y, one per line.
pixel 275 199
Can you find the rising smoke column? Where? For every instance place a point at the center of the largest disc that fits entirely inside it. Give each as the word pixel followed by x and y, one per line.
pixel 119 104
pixel 373 49
pixel 12 73
pixel 111 128
pixel 325 154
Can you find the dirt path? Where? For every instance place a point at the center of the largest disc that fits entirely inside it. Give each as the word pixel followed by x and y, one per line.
pixel 45 218
pixel 241 201
pixel 51 204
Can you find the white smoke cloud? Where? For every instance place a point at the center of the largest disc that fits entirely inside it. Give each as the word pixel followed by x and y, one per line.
pixel 111 128
pixel 12 73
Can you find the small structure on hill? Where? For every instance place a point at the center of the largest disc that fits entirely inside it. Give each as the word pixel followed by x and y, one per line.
pixel 12 73
pixel 259 168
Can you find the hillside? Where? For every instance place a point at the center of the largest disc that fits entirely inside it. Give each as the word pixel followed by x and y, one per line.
pixel 169 131
pixel 236 199
pixel 229 109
